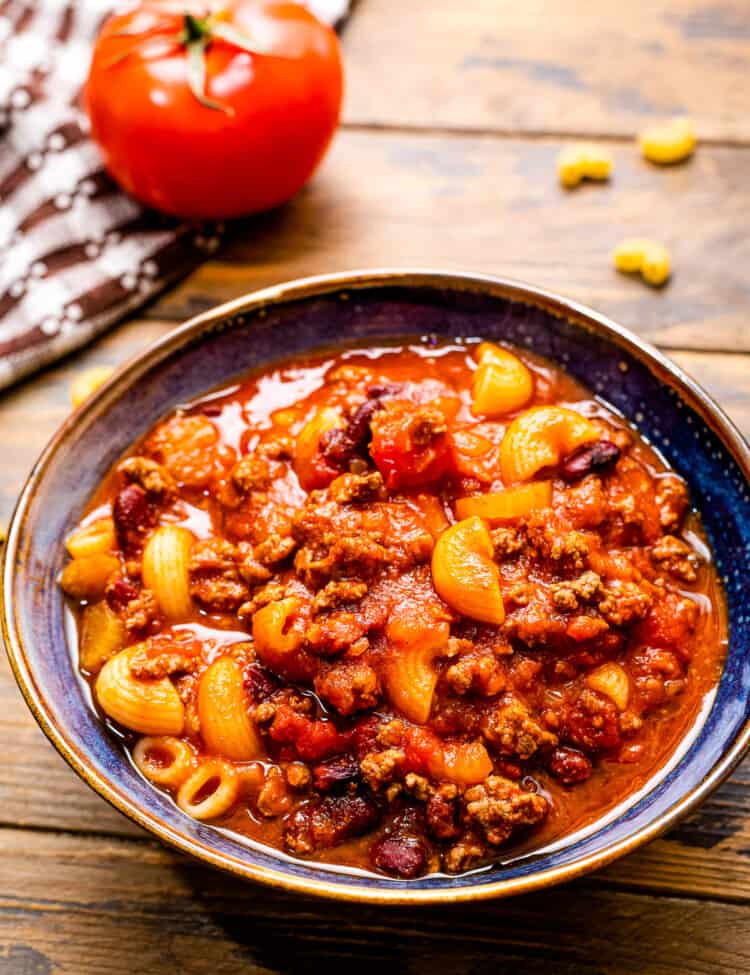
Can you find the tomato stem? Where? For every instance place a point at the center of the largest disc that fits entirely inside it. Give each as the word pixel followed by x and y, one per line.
pixel 195 29
pixel 195 37
pixel 196 70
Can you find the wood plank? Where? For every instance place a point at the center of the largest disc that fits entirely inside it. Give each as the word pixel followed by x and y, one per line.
pixel 548 66
pixel 83 904
pixel 707 854
pixel 494 205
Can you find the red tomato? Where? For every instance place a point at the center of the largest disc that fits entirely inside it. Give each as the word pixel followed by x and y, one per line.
pixel 404 450
pixel 670 623
pixel 312 739
pixel 249 132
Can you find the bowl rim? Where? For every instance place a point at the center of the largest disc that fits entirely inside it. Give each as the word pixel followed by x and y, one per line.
pixel 318 286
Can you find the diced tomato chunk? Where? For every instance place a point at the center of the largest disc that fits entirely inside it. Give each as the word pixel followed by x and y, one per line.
pixel 420 748
pixel 312 739
pixel 592 723
pixel 410 445
pixel 670 624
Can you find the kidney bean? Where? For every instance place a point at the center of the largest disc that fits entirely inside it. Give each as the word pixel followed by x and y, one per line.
pixel 119 593
pixel 339 446
pixel 322 823
pixel 358 429
pixel 336 448
pixel 335 772
pixel 384 390
pixel 511 770
pixel 589 459
pixel 400 855
pixel 131 515
pixel 569 765
pixel 365 734
pixel 259 683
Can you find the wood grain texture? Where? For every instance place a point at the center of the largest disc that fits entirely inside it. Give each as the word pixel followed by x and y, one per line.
pixel 603 68
pixel 494 205
pixel 77 904
pixel 454 118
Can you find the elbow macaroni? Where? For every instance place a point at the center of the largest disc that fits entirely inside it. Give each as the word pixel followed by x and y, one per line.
pixel 150 707
pixel 648 257
pixel 87 382
pixel 501 383
pixel 464 573
pixel 210 791
pixel 226 726
pixel 465 763
pixel 583 161
pixel 164 760
pixel 86 578
pixel 513 502
pixel 411 677
pixel 611 680
pixel 166 559
pixel 668 143
pixel 541 437
pixel 102 636
pixel 95 539
pixel 274 639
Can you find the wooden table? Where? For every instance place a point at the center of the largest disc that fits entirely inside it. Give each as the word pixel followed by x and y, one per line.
pixel 455 114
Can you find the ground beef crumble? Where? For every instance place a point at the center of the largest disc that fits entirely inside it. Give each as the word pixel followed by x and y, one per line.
pixel 358 487
pixel 274 549
pixel 141 613
pixel 255 473
pixel 672 501
pixel 349 686
pixel 146 666
pixel 478 672
pixel 379 769
pixel 512 730
pixel 215 579
pixel 152 477
pixel 672 555
pixel 625 603
pixel 498 806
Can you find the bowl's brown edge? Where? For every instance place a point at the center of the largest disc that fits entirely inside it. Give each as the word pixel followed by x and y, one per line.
pixel 697 399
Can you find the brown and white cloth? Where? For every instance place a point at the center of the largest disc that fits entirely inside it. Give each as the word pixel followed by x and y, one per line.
pixel 76 253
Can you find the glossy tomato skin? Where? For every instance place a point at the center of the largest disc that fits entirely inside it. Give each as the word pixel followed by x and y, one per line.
pixel 175 154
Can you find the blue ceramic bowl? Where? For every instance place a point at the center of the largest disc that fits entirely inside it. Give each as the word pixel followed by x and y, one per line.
pixel 670 410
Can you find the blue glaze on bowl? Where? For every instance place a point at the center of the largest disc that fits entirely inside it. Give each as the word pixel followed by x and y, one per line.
pixel 677 417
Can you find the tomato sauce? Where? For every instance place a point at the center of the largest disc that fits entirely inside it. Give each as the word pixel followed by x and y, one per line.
pixel 408 609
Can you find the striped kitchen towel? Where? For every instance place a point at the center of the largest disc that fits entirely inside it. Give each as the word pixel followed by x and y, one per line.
pixel 76 253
